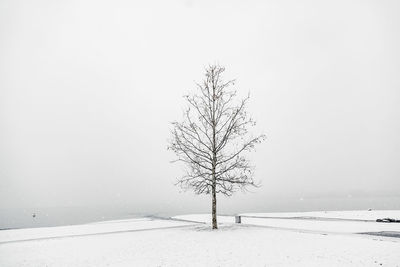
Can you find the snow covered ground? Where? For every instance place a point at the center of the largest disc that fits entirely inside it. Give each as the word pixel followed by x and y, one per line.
pixel 330 221
pixel 348 214
pixel 257 241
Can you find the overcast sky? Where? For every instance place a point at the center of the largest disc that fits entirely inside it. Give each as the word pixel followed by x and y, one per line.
pixel 88 90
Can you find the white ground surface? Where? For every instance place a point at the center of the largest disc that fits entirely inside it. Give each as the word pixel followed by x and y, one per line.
pixel 348 214
pixel 256 242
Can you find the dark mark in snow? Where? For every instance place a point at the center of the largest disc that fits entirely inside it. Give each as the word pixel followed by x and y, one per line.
pixel 384 233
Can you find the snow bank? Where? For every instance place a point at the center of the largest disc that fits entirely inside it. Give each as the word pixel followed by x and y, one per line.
pixel 348 214
pixel 85 229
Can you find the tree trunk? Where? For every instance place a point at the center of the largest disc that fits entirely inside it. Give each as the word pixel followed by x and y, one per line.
pixel 214 164
pixel 214 209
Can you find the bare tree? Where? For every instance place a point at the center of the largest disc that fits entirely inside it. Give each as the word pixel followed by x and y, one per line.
pixel 212 139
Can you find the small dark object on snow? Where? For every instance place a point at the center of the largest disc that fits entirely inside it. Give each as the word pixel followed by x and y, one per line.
pixel 388 220
pixel 369 209
pixel 238 219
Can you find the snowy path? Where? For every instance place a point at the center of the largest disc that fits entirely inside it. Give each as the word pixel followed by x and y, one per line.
pixel 98 228
pixel 331 226
pixel 95 234
pixel 356 215
pixel 309 218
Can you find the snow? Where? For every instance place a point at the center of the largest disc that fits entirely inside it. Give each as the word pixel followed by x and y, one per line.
pixel 348 214
pixel 86 229
pixel 157 242
pixel 328 222
pixel 325 226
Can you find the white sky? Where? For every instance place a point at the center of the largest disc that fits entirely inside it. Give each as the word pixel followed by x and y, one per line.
pixel 88 90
